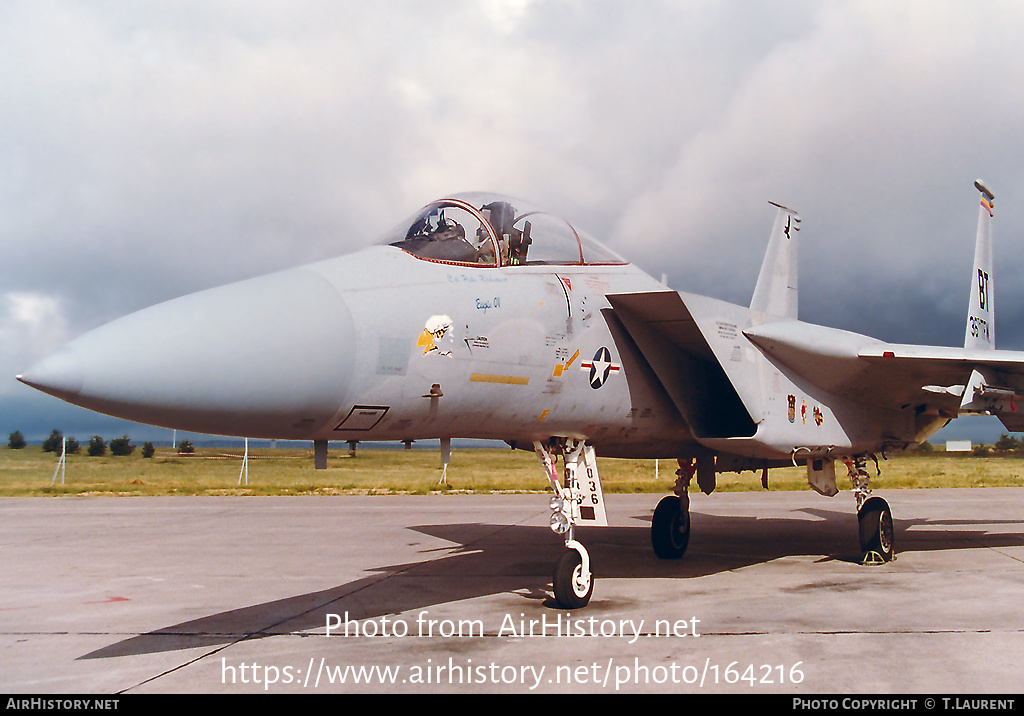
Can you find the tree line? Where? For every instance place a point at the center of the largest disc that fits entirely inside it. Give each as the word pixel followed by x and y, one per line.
pixel 97 446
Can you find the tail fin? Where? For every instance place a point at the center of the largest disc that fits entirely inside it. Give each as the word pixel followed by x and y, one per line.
pixel 982 393
pixel 981 311
pixel 776 290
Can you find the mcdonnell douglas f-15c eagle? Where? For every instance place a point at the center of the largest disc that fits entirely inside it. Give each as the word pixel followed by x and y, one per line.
pixel 484 317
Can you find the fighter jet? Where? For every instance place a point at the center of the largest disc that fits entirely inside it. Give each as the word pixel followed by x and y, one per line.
pixel 483 316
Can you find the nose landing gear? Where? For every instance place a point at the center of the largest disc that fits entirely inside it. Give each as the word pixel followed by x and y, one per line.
pixel 579 500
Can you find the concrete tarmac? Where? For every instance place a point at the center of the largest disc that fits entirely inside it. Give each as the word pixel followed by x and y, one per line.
pixel 441 593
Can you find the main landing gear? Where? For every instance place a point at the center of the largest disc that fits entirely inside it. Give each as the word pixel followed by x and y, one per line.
pixel 670 527
pixel 876 531
pixel 579 500
pixel 873 516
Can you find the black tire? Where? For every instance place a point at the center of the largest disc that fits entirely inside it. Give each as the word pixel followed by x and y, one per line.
pixel 670 528
pixel 876 530
pixel 572 591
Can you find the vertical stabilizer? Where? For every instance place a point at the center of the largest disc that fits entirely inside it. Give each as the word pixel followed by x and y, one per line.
pixel 776 290
pixel 981 312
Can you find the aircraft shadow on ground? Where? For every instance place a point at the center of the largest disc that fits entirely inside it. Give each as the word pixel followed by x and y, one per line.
pixel 495 559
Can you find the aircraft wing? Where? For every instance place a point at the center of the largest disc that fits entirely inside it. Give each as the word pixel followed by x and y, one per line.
pixel 952 381
pixel 691 343
pixel 889 375
pixel 976 381
pixel 940 361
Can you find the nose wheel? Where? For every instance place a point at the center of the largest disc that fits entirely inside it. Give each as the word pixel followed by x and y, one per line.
pixel 572 580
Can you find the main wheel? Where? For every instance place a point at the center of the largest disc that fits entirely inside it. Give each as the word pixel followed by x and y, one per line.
pixel 572 587
pixel 670 528
pixel 876 530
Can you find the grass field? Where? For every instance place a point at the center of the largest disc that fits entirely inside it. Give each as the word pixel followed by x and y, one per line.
pixel 29 472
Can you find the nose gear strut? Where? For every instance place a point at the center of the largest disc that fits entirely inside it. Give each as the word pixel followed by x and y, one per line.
pixel 579 499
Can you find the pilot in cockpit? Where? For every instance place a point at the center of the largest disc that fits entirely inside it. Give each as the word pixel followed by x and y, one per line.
pixel 445 233
pixel 434 236
pixel 514 242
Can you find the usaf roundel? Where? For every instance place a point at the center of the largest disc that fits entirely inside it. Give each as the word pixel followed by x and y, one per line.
pixel 600 368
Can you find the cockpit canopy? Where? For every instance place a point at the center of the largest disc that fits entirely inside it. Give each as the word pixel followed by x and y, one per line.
pixel 490 230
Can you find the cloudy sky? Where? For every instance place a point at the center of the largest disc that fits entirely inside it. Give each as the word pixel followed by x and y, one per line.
pixel 152 149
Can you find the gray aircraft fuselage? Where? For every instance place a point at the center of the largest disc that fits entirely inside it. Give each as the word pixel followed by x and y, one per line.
pixel 476 319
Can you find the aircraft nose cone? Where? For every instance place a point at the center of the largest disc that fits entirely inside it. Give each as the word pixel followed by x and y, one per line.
pixel 269 357
pixel 59 374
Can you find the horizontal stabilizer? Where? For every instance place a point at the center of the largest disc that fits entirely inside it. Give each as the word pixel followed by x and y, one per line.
pixel 1014 422
pixel 982 396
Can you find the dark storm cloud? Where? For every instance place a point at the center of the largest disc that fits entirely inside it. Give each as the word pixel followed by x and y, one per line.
pixel 873 123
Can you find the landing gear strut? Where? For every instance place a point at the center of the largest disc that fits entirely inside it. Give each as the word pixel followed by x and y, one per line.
pixel 579 500
pixel 873 516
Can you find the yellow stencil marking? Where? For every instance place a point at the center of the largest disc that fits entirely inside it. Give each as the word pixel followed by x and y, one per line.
pixel 506 379
pixel 559 368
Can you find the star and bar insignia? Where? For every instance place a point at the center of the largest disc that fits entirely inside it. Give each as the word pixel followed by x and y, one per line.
pixel 600 367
